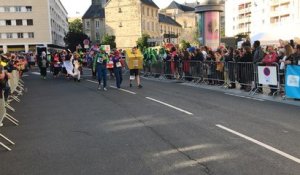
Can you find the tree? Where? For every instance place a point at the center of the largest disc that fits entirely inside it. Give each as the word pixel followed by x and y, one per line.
pixel 142 42
pixel 109 40
pixel 75 36
pixel 76 26
pixel 184 45
pixel 73 39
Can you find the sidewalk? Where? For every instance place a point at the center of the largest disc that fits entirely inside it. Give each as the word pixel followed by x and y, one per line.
pixel 236 91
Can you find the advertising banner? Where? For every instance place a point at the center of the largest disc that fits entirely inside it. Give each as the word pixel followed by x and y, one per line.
pixel 212 33
pixel 267 75
pixel 292 84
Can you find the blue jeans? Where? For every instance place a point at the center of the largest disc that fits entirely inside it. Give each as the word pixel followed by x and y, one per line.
pixel 102 74
pixel 118 75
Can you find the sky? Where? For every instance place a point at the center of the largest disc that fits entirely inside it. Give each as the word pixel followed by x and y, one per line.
pixel 76 8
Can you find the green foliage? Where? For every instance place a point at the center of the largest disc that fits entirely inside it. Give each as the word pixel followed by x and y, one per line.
pixel 184 45
pixel 73 39
pixel 76 26
pixel 142 42
pixel 109 40
pixel 75 36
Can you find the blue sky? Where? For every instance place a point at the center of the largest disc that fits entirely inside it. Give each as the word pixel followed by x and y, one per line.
pixel 77 8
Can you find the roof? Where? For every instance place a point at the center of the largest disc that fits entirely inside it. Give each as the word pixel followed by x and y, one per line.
pixel 95 11
pixel 150 3
pixel 192 4
pixel 168 20
pixel 175 5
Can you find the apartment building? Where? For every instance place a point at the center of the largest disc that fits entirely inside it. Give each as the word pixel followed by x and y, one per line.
pixel 27 24
pixel 279 17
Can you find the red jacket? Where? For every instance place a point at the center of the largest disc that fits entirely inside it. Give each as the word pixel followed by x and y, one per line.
pixel 270 58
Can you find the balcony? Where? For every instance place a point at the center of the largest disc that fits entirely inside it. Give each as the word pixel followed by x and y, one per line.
pixel 244 20
pixel 280 12
pixel 277 2
pixel 245 10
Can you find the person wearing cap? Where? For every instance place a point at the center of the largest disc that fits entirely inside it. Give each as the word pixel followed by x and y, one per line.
pixel 100 62
pixel 117 68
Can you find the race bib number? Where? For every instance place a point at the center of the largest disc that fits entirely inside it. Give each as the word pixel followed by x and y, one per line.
pixel 118 64
pixel 100 60
pixel 136 63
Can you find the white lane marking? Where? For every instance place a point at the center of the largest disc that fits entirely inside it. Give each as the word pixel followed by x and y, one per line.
pixel 93 81
pixel 35 73
pixel 241 96
pixel 124 90
pixel 171 106
pixel 184 149
pixel 295 159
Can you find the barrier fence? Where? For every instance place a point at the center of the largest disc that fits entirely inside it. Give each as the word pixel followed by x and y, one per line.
pixel 249 76
pixel 16 86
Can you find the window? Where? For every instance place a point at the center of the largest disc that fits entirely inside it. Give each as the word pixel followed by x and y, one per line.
pixel 7 9
pixel 153 26
pixel 147 11
pixel 87 24
pixel 9 35
pixel 97 24
pixel 97 36
pixel 29 22
pixel 143 25
pixel 20 35
pixel 19 22
pixel 120 10
pixel 8 22
pixel 152 13
pixel 31 35
pixel 18 9
pixel 28 8
pixel 143 10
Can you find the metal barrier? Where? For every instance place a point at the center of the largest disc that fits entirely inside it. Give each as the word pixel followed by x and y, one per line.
pixel 226 74
pixel 274 87
pixel 16 87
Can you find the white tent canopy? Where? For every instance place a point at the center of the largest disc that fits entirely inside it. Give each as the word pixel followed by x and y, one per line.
pixel 272 36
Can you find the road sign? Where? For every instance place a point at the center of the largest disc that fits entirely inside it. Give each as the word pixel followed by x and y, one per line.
pixel 86 42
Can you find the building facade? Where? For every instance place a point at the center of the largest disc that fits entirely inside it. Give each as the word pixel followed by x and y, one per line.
pixel 129 19
pixel 170 30
pixel 94 21
pixel 187 18
pixel 252 17
pixel 27 24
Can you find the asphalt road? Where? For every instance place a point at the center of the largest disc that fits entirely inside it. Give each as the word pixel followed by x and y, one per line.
pixel 69 128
